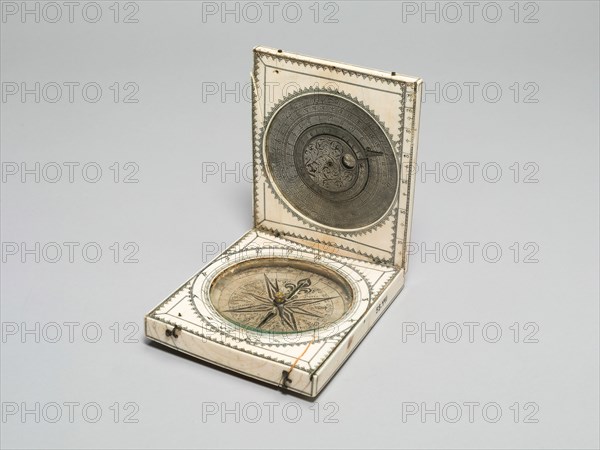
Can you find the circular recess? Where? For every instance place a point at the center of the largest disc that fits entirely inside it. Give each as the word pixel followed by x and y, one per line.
pixel 281 295
pixel 331 161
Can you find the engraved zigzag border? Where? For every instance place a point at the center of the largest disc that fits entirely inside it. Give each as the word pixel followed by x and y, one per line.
pixel 330 67
pixel 239 246
pixel 260 169
pixel 260 56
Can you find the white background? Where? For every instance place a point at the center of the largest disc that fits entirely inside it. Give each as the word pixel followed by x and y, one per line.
pixel 533 107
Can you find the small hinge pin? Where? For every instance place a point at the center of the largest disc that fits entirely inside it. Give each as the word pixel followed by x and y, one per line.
pixel 174 332
pixel 285 379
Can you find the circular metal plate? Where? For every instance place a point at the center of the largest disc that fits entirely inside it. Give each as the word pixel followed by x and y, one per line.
pixel 222 287
pixel 281 295
pixel 331 161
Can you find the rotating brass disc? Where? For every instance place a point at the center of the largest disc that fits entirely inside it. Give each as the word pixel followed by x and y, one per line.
pixel 331 161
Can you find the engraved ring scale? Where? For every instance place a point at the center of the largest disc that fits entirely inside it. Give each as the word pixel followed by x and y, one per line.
pixel 331 161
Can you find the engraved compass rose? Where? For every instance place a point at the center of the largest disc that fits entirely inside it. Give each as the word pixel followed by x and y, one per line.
pixel 273 296
pixel 284 305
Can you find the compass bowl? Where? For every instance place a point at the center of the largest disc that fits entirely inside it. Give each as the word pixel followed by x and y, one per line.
pixel 281 295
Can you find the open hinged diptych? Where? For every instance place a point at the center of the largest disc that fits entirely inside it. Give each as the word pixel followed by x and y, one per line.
pixel 333 147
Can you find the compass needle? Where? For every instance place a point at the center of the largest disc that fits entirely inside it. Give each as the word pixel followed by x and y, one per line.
pixel 266 319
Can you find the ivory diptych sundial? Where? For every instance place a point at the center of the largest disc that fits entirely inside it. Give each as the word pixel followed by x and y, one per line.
pixel 333 146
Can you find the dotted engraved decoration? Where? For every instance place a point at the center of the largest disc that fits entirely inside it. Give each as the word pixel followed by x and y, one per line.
pixel 331 161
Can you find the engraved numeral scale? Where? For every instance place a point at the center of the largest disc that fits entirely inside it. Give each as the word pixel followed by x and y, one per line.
pixel 333 150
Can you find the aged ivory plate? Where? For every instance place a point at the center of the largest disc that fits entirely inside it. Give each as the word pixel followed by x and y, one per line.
pixel 333 147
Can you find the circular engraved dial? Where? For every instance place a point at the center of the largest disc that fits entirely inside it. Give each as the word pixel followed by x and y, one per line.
pixel 331 161
pixel 280 295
